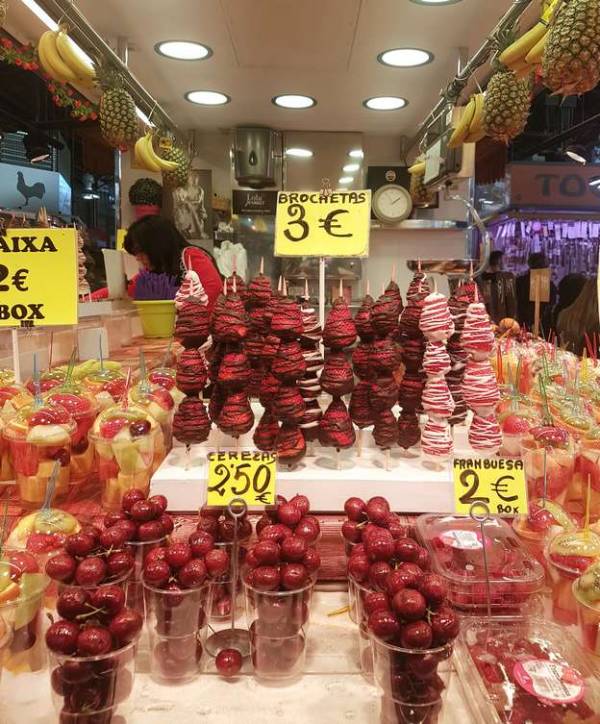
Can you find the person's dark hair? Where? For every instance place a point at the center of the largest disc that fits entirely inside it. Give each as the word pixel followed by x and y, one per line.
pixel 496 257
pixel 569 288
pixel 537 260
pixel 159 239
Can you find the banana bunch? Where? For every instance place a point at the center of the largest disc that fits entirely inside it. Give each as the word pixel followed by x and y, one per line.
pixel 62 60
pixel 469 128
pixel 147 158
pixel 528 50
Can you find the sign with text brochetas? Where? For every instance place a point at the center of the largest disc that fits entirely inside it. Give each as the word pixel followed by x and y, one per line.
pixel 309 224
pixel 497 483
pixel 38 277
pixel 245 474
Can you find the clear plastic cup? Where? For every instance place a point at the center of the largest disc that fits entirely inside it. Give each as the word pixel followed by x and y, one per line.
pixel 94 689
pixel 48 380
pixel 221 593
pixel 135 589
pixel 12 398
pixel 586 592
pixel 278 624
pixel 558 460
pixel 175 621
pixel 37 438
pixel 124 440
pixel 393 711
pixel 588 468
pixel 159 403
pixel 107 386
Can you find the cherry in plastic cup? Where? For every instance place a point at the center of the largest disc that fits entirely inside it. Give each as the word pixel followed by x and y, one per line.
pixel 564 606
pixel 95 689
pixel 559 464
pixel 222 589
pixel 278 624
pixel 393 711
pixel 175 621
pixel 356 595
pixel 135 590
pixel 589 623
pixel 588 467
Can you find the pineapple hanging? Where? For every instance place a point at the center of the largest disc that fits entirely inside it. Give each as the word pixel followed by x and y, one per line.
pixel 171 152
pixel 118 120
pixel 571 63
pixel 507 105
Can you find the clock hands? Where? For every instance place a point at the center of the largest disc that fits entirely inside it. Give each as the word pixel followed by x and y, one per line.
pixel 395 201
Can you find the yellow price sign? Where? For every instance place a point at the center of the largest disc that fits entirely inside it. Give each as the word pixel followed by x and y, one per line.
pixel 308 224
pixel 247 475
pixel 497 483
pixel 121 234
pixel 38 277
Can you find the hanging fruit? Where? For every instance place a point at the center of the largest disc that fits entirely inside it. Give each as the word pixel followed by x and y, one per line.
pixel 147 158
pixel 571 62
pixel 418 191
pixel 507 105
pixel 469 128
pixel 515 55
pixel 169 151
pixel 62 60
pixel 118 120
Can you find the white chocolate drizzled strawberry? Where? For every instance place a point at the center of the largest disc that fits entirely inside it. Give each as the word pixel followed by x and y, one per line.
pixel 437 400
pixel 485 434
pixel 191 286
pixel 480 387
pixel 436 439
pixel 477 336
pixel 436 361
pixel 436 322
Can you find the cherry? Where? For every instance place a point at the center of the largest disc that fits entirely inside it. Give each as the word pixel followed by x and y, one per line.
pixel 267 553
pixel 378 573
pixel 226 530
pixel 167 523
pixel 61 567
pixel 156 554
pixel 91 571
pixel 276 532
pixel 395 581
pixel 114 537
pixel 133 495
pixel 411 574
pixel 209 525
pixel 423 666
pixel 73 602
pixel 126 625
pixel 119 563
pixel 62 636
pixel 209 511
pixel 193 574
pixel 301 502
pixel 128 527
pixel 424 560
pixel 293 549
pixel 308 528
pixel 384 625
pixel 94 641
pixel 111 518
pixel 174 597
pixel 380 547
pixel 79 447
pixel 159 502
pixel 377 510
pixel 24 563
pixel 444 625
pixel 76 672
pixel 111 599
pixel 156 572
pixel 151 530
pixel 262 523
pixel 312 560
pixel 138 428
pixel 394 525
pixel 416 635
pixel 142 511
pixel 80 544
pixel 434 588
pixel 251 559
pixel 409 604
pixel 178 554
pixel 266 578
pixel 217 562
pixel 293 576
pixel 375 601
pixel 358 568
pixel 351 531
pixel 228 662
pixel 355 509
pixel 406 549
pixel 200 543
pixel 289 514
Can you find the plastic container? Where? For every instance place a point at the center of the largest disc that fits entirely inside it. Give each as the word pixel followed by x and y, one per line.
pixel 525 670
pixel 456 549
pixel 175 620
pixel 278 625
pixel 586 592
pixel 157 318
pixel 221 588
pixel 550 449
pixel 107 386
pixel 159 403
pixel 42 533
pixel 135 589
pixel 588 468
pixel 38 437
pixel 93 688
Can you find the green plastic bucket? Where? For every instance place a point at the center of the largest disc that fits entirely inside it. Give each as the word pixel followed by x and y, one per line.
pixel 157 318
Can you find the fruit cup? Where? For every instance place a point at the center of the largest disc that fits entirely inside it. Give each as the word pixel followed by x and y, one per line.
pixel 175 619
pixel 514 426
pixel 278 625
pixel 551 449
pixel 48 380
pixel 165 377
pixel 107 386
pixel 37 438
pixel 124 439
pixel 84 409
pixel 158 403
pixel 586 592
pixel 569 555
pixel 96 689
pixel 43 533
pixel 412 681
pixel 588 468
pixel 12 398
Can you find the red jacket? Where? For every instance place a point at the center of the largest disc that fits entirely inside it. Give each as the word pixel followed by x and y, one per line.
pixel 195 259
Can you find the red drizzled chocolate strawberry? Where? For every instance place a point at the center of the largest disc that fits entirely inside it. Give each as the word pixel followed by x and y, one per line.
pixel 337 378
pixel 288 404
pixel 231 324
pixel 291 445
pixel 361 361
pixel 339 331
pixel 383 393
pixel 191 371
pixel 259 291
pixel 362 319
pixel 409 431
pixel 289 364
pixel 234 371
pixel 385 430
pixel 286 322
pixel 361 412
pixel 335 428
pixel 384 315
pixel 309 425
pixel 265 434
pixel 236 416
pixel 191 424
pixel 192 323
pixel 384 356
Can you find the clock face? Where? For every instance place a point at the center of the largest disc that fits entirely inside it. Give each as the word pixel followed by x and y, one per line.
pixel 392 203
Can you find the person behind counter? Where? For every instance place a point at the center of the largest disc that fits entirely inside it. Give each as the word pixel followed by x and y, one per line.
pixel 579 319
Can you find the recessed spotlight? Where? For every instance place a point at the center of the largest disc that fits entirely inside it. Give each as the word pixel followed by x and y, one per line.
pixel 294 101
pixel 436 2
pixel 351 167
pixel 356 153
pixel 405 57
pixel 299 152
pixel 207 98
pixel 385 103
pixel 346 180
pixel 183 50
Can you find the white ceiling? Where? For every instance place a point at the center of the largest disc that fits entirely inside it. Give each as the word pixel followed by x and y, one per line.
pixel 323 48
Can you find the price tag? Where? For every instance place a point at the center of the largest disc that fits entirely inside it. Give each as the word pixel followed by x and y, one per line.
pixel 247 475
pixel 121 234
pixel 498 483
pixel 308 224
pixel 38 277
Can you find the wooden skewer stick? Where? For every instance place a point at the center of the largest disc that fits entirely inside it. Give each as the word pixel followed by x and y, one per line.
pixel 262 264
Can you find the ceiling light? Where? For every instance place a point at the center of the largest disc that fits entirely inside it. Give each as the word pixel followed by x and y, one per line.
pixel 577 154
pixel 294 101
pixel 183 50
pixel 436 2
pixel 41 14
pixel 351 167
pixel 207 98
pixel 405 57
pixel 143 117
pixel 356 153
pixel 346 180
pixel 299 152
pixel 385 103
